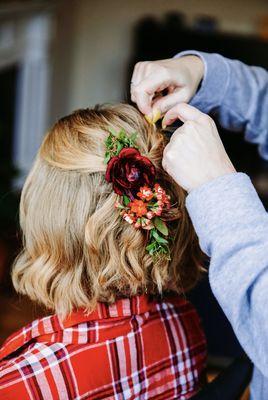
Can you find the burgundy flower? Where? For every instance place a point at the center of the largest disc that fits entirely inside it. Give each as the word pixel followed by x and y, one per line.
pixel 129 171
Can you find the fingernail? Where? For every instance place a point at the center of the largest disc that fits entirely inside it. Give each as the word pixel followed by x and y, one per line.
pixel 149 119
pixel 156 115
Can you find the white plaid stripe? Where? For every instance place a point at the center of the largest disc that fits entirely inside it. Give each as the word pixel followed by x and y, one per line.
pixel 67 358
pixel 35 330
pixel 126 307
pixel 145 383
pixel 140 386
pixel 160 308
pixel 26 383
pixel 187 364
pixel 67 336
pixel 40 376
pixel 113 311
pixel 82 331
pixel 134 366
pixel 47 325
pixel 49 353
pixel 116 397
pixel 123 367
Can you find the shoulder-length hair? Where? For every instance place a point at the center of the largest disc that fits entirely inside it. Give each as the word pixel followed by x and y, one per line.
pixel 77 249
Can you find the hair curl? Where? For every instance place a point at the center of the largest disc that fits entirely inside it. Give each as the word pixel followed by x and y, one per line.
pixel 77 249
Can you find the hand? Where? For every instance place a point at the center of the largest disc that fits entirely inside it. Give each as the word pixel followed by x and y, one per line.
pixel 195 153
pixel 179 76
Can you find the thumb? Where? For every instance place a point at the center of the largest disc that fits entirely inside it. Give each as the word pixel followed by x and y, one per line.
pixel 183 112
pixel 167 102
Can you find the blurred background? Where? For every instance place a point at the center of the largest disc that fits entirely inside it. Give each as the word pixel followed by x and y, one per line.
pixel 56 56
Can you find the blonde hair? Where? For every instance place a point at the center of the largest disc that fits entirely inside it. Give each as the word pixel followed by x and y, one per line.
pixel 77 249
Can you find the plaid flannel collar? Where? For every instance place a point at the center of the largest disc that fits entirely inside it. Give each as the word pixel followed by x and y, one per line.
pixel 79 328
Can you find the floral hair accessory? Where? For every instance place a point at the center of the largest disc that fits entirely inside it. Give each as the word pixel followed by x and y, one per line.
pixel 142 199
pixel 129 171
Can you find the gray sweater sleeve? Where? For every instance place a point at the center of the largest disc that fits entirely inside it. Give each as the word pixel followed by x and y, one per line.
pixel 232 226
pixel 237 94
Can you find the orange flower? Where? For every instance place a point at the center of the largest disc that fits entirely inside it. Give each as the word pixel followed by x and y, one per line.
pixel 138 207
pixel 145 193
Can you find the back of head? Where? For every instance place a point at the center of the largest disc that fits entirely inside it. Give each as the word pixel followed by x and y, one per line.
pixel 77 248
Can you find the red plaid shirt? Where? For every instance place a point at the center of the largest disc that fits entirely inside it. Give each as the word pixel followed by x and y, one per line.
pixel 135 349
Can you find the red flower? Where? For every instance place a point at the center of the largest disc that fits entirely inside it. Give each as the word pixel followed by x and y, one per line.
pixel 129 171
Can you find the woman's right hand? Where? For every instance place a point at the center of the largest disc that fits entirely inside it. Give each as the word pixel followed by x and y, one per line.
pixel 179 76
pixel 195 154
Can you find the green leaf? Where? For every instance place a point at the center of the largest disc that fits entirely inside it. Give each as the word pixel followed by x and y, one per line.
pixel 133 136
pixel 107 157
pixel 158 238
pixel 126 200
pixel 113 132
pixel 119 147
pixel 151 248
pixel 120 207
pixel 121 135
pixel 160 226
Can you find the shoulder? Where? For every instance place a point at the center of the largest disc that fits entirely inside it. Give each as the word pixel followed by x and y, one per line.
pixel 180 312
pixel 30 374
pixel 12 384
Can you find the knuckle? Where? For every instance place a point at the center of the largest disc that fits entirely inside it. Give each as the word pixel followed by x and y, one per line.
pixel 188 125
pixel 204 118
pixel 138 64
pixel 165 152
pixel 147 64
pixel 135 90
pixel 163 163
pixel 169 156
pixel 164 71
pixel 212 123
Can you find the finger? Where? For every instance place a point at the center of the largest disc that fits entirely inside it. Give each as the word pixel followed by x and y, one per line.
pixel 139 74
pixel 143 101
pixel 183 112
pixel 168 158
pixel 135 79
pixel 145 91
pixel 165 103
pixel 164 159
pixel 136 76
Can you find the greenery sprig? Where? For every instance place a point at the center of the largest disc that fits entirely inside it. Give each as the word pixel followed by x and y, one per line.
pixel 145 213
pixel 116 141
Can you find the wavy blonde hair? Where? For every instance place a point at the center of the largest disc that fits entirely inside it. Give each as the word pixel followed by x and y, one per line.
pixel 77 249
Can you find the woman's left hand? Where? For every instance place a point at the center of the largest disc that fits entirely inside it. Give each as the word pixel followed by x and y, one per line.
pixel 195 153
